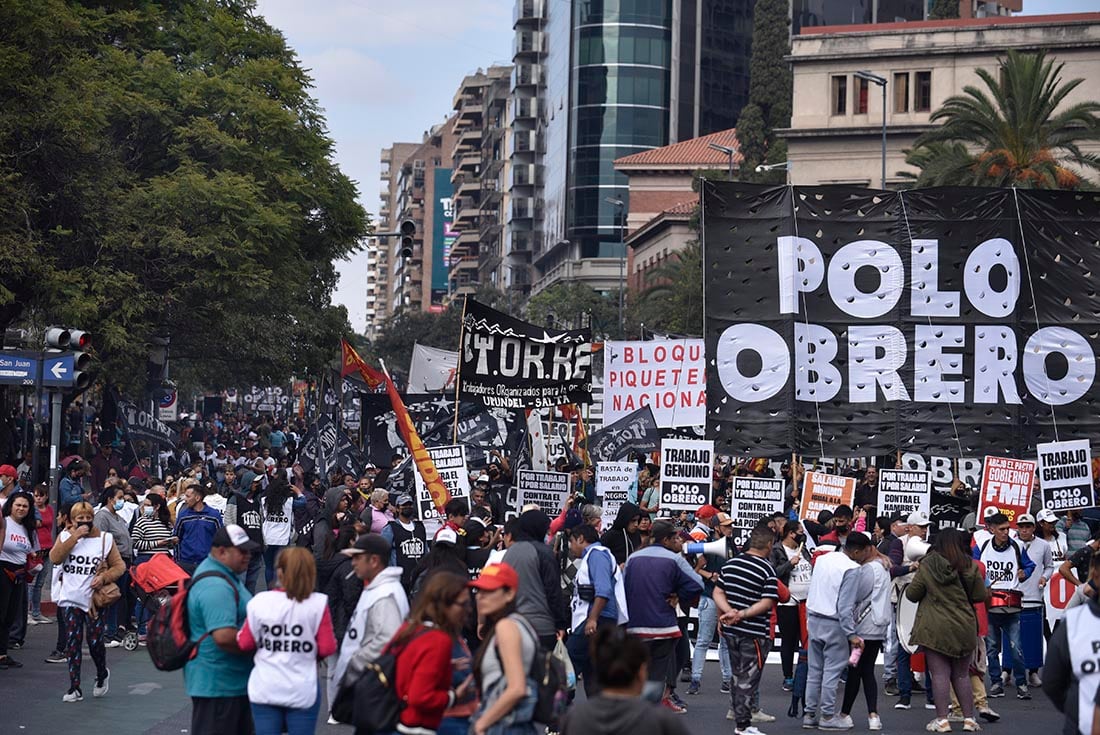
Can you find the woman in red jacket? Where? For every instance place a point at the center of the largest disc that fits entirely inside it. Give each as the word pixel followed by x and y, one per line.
pixel 423 645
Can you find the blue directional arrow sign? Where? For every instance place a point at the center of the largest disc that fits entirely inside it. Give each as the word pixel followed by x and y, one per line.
pixel 18 369
pixel 57 370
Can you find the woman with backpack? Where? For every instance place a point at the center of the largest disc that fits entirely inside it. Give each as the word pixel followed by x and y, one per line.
pixel 88 560
pixel 290 629
pixel 508 649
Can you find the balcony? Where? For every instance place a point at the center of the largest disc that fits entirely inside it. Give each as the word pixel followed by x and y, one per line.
pixel 469 162
pixel 528 12
pixel 528 44
pixel 466 185
pixel 526 75
pixel 526 174
pixel 525 108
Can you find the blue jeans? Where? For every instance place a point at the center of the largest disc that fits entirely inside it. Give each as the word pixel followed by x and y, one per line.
pixel 39 582
pixel 1009 625
pixel 453 726
pixel 905 675
pixel 119 613
pixel 708 624
pixel 253 573
pixel 271 720
pixel 270 552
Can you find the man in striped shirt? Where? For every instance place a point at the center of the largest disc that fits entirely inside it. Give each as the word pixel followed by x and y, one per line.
pixel 745 593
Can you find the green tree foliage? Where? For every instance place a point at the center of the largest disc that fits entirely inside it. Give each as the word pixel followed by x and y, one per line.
pixel 944 9
pixel 1015 132
pixel 164 169
pixel 770 90
pixel 673 298
pixel 574 306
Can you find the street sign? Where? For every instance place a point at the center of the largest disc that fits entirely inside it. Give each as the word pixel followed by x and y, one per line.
pixel 57 370
pixel 17 369
pixel 168 407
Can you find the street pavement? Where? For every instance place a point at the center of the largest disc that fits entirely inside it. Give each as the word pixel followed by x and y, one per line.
pixel 144 700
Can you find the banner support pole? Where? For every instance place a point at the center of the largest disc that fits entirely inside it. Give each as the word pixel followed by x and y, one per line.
pixel 458 371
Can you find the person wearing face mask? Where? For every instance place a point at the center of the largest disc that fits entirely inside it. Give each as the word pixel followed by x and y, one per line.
pixel 78 552
pixel 842 526
pixel 152 535
pixel 408 540
pixel 110 520
pixel 792 563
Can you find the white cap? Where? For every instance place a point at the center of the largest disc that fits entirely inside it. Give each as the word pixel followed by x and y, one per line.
pixel 1046 514
pixel 918 518
pixel 482 478
pixel 992 510
pixel 447 536
pixel 1025 518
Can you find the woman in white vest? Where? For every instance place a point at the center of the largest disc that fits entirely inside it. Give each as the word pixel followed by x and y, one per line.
pixel 77 555
pixel 290 630
pixel 278 523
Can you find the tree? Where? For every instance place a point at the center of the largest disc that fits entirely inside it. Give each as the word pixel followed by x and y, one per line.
pixel 944 9
pixel 574 306
pixel 673 298
pixel 770 90
pixel 163 169
pixel 1012 133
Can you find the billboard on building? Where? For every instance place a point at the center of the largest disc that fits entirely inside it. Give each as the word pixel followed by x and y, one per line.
pixel 443 234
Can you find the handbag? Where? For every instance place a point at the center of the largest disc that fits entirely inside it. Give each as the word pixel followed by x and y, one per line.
pixel 108 593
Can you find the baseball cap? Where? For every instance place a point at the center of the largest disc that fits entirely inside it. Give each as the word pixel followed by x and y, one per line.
pixel 1025 518
pixel 661 530
pixel 1047 515
pixel 369 543
pixel 724 520
pixel 482 478
pixel 234 535
pixel 918 518
pixel 447 536
pixel 404 499
pixel 706 511
pixel 7 469
pixel 990 511
pixel 495 576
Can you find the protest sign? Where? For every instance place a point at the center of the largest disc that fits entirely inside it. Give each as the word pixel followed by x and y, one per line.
pixel 1065 475
pixel 687 466
pixel 903 491
pixel 1056 596
pixel 669 376
pixel 753 498
pixel 614 483
pixel 1006 485
pixel 548 490
pixel 450 463
pixel 822 491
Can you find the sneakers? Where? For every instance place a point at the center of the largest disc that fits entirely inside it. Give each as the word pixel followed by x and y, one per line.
pixel 836 722
pixel 788 685
pixel 7 662
pixel 955 716
pixel 938 725
pixel 73 695
pixel 693 688
pixel 971 725
pixel 1022 692
pixel 902 703
pixel 142 638
pixel 809 721
pixel 987 714
pixel 332 720
pixel 31 619
pixel 102 685
pixel 15 645
pixel 725 686
pixel 891 687
pixel 917 685
pixel 57 657
pixel 750 730
pixel 112 642
pixel 997 690
pixel 874 722
pixel 762 716
pixel 929 705
pixel 40 619
pixel 668 704
pixel 1034 680
pixel 676 700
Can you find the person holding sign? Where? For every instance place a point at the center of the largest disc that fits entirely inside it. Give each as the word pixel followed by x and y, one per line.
pixel 1007 566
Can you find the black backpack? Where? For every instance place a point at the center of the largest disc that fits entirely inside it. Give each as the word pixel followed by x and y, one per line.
pixel 367 694
pixel 548 674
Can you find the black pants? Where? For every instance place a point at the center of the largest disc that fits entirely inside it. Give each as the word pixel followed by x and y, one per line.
pixel 790 631
pixel 18 631
pixel 863 673
pixel 662 658
pixel 221 716
pixel 62 635
pixel 12 595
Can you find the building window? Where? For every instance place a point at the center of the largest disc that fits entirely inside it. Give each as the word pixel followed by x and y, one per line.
pixel 840 95
pixel 922 97
pixel 901 92
pixel 862 90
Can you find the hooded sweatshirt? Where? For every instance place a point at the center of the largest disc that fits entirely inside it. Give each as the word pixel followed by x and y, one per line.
pixel 323 528
pixel 616 538
pixel 945 618
pixel 538 598
pixel 604 715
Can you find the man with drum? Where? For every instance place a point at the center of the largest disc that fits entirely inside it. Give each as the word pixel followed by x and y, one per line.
pixel 905 555
pixel 1006 568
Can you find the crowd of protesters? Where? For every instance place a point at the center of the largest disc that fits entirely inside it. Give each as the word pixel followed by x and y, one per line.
pixel 469 603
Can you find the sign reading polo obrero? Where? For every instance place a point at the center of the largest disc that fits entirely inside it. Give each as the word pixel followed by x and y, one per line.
pixel 856 322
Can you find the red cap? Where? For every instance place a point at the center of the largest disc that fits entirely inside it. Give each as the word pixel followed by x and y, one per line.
pixel 495 576
pixel 706 511
pixel 7 469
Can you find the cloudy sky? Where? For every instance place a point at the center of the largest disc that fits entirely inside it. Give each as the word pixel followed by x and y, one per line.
pixel 386 71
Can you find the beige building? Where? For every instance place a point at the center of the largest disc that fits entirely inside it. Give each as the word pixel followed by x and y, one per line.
pixel 836 126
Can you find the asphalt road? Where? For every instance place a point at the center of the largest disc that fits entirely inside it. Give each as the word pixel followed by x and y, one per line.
pixel 144 700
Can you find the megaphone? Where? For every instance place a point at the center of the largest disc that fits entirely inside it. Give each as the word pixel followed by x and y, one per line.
pixel 717 548
pixel 916 549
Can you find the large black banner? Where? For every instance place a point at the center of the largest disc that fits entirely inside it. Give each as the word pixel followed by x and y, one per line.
pixel 326 447
pixel 141 426
pixel 508 363
pixel 854 322
pixel 635 432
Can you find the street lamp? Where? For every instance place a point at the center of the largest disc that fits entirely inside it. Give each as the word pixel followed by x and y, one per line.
pixel 781 166
pixel 728 151
pixel 621 205
pixel 881 82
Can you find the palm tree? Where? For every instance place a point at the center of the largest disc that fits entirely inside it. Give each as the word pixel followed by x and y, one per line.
pixel 1012 133
pixel 673 298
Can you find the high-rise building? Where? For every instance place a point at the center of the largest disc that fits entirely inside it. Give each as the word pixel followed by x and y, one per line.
pixel 379 260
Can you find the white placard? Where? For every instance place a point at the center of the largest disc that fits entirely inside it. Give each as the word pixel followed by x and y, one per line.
pixel 615 482
pixel 687 466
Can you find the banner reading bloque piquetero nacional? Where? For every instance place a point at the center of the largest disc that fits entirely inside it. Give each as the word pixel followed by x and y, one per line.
pixel 856 322
pixel 508 363
pixel 668 375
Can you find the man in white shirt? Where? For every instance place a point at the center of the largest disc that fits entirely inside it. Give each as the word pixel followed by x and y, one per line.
pixel 1031 616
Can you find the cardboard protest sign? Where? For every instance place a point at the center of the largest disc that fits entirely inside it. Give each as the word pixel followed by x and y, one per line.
pixel 450 462
pixel 822 491
pixel 668 375
pixel 753 498
pixel 1056 596
pixel 1065 475
pixel 548 490
pixel 903 491
pixel 687 466
pixel 1006 485
pixel 614 483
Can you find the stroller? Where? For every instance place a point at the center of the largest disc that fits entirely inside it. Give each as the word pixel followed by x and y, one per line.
pixel 154 582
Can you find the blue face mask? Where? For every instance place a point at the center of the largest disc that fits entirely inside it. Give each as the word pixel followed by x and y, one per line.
pixel 119 504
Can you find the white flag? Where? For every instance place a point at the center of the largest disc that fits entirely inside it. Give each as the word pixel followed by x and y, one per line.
pixel 538 444
pixel 432 370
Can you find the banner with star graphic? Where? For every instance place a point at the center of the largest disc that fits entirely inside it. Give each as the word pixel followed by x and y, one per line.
pixel 507 363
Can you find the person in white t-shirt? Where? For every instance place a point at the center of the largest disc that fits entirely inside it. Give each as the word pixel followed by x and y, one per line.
pixel 17 541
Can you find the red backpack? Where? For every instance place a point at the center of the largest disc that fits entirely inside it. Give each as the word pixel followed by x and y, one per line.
pixel 169 630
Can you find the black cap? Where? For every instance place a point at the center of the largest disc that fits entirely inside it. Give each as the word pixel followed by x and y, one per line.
pixel 234 535
pixel 370 543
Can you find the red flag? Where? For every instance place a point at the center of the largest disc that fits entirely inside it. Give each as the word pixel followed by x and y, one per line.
pixel 424 464
pixel 351 363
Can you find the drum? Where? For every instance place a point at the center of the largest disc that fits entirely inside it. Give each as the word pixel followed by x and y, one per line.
pixel 1006 599
pixel 906 619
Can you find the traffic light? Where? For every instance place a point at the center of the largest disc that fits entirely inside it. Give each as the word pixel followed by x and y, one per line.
pixel 58 338
pixel 80 342
pixel 407 229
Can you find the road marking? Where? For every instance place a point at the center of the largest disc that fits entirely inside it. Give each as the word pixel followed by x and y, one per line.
pixel 145 687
